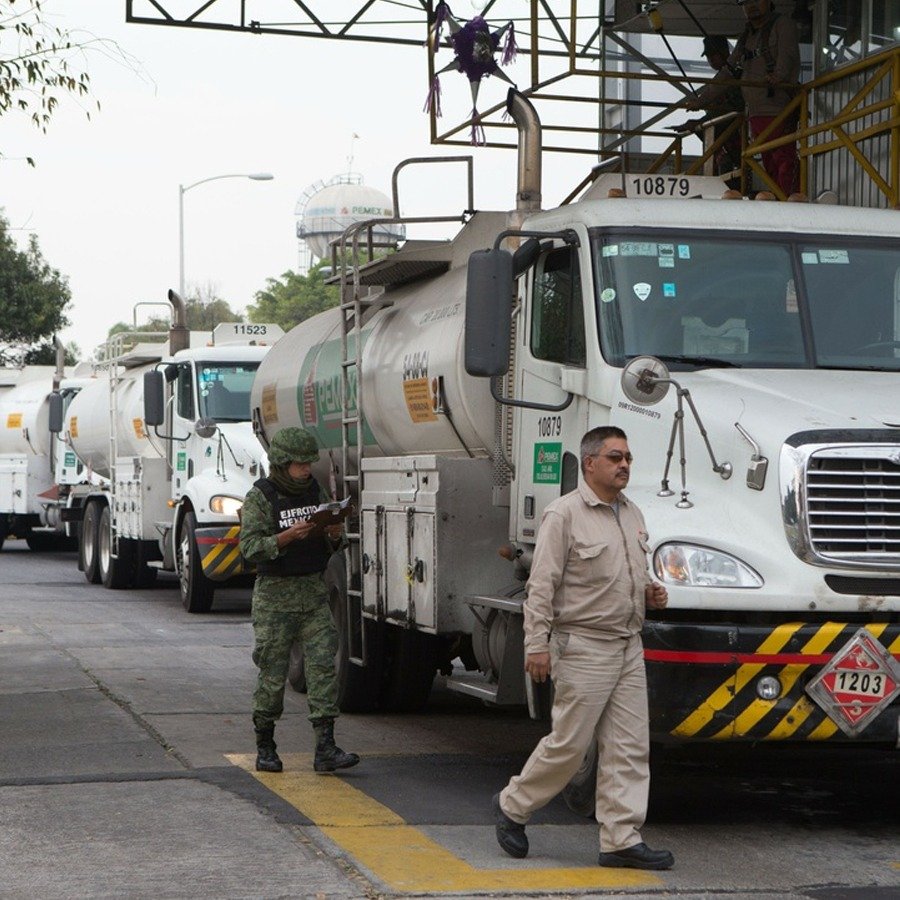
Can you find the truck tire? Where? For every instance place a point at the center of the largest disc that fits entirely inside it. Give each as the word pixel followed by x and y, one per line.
pixel 296 672
pixel 116 572
pixel 358 686
pixel 48 542
pixel 411 666
pixel 581 791
pixel 144 575
pixel 88 545
pixel 196 589
pixel 4 530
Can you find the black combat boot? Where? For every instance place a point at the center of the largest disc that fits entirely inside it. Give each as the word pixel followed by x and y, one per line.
pixel 328 755
pixel 267 760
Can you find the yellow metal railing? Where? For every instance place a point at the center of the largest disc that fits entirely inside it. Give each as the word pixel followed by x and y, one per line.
pixel 873 110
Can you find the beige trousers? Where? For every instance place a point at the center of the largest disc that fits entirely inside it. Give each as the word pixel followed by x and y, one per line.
pixel 600 693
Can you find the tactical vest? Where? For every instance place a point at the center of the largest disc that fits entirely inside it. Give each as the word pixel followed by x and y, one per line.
pixel 306 557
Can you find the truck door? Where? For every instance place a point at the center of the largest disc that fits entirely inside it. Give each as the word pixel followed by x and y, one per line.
pixel 546 443
pixel 184 415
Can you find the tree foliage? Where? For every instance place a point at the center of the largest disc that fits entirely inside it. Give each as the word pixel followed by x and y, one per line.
pixel 33 298
pixel 293 298
pixel 44 354
pixel 40 63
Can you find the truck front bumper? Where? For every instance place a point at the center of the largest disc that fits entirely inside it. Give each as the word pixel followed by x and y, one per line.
pixel 704 681
pixel 219 552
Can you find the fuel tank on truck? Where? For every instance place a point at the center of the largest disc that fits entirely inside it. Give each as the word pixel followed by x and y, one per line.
pixel 417 397
pixel 25 414
pixel 87 421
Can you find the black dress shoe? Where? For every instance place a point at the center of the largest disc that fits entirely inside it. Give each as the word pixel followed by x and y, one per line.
pixel 510 835
pixel 640 856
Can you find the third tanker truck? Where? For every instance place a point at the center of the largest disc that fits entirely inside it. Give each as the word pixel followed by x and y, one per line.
pixel 751 352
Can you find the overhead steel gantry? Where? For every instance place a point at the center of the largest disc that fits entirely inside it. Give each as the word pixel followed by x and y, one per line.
pixel 578 55
pixel 571 52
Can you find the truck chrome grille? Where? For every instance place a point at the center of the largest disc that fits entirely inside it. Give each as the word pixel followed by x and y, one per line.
pixel 853 504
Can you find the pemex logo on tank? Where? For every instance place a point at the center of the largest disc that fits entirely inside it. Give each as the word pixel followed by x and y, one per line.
pixel 319 392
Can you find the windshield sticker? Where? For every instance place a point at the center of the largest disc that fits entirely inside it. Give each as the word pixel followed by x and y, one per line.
pixel 684 251
pixel 834 256
pixel 667 262
pixel 667 250
pixel 635 248
pixel 668 289
pixel 810 259
pixel 607 295
pixel 642 290
pixel 790 297
pixel 611 250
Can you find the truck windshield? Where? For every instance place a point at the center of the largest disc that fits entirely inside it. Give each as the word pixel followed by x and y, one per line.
pixel 225 390
pixel 738 301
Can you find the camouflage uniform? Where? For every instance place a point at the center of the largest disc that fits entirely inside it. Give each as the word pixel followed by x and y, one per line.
pixel 287 609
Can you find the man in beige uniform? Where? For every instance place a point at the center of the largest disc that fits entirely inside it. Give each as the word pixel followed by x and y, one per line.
pixel 584 612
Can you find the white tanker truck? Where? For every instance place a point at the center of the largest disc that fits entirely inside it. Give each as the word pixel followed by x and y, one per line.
pixel 755 345
pixel 39 475
pixel 167 426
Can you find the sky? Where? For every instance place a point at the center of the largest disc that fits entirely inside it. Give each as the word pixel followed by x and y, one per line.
pixel 192 104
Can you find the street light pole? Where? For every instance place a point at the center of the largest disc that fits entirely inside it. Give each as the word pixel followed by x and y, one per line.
pixel 182 190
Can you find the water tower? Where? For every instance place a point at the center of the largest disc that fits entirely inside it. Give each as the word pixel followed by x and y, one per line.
pixel 326 209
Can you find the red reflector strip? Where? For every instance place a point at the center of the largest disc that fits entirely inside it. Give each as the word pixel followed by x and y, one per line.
pixel 779 659
pixel 222 540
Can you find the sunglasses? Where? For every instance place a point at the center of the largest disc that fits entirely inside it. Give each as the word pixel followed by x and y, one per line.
pixel 616 457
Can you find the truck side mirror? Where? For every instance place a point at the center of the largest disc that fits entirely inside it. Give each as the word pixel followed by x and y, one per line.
pixel 154 398
pixel 526 256
pixel 489 291
pixel 56 413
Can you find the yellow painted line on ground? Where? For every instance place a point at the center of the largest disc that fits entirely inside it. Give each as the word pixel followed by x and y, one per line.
pixel 402 856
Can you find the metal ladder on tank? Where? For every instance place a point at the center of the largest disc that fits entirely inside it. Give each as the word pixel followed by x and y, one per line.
pixel 356 308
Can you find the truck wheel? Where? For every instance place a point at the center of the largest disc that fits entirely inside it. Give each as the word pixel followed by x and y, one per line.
pixel 48 542
pixel 116 572
pixel 88 548
pixel 296 672
pixel 358 686
pixel 4 531
pixel 144 575
pixel 412 663
pixel 196 589
pixel 580 792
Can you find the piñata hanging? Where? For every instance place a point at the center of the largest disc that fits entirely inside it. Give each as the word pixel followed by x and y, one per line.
pixel 474 46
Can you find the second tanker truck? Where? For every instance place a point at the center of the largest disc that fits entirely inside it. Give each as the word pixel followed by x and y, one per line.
pixel 752 345
pixel 167 426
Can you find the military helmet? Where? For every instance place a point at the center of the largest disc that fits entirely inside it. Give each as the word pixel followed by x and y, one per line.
pixel 293 445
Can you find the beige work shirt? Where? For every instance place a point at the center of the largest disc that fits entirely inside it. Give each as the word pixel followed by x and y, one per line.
pixel 589 570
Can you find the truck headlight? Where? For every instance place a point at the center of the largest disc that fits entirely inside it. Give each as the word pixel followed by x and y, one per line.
pixel 225 506
pixel 686 564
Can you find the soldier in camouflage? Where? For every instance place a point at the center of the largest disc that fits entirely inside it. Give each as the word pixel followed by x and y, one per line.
pixel 290 601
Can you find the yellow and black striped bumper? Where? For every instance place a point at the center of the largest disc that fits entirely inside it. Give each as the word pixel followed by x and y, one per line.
pixel 702 680
pixel 220 553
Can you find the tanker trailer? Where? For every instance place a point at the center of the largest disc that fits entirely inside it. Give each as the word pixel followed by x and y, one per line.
pixel 428 464
pixel 103 424
pixel 37 471
pixel 168 426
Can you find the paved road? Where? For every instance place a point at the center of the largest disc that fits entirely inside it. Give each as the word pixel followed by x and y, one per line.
pixel 126 771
